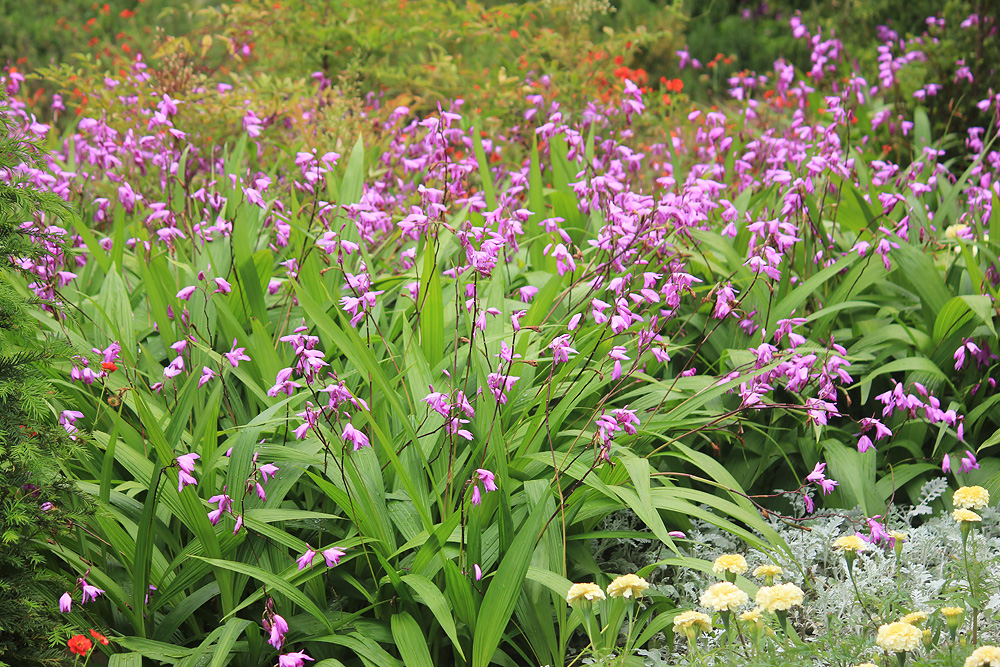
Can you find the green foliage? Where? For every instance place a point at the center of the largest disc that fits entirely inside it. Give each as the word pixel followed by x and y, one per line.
pixel 31 446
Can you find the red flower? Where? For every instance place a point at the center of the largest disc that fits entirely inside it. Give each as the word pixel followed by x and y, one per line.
pixel 79 644
pixel 99 637
pixel 109 366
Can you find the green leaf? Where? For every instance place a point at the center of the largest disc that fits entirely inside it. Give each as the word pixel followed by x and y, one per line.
pixel 437 603
pixel 959 310
pixel 855 472
pixel 276 582
pixel 125 660
pixel 410 641
pixel 505 589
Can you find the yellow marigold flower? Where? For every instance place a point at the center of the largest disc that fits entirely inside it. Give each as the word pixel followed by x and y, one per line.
pixel 952 611
pixel 851 543
pixel 751 615
pixel 589 592
pixel 781 597
pixel 914 618
pixel 965 516
pixel 767 571
pixel 898 536
pixel 627 585
pixel 724 596
pixel 734 563
pixel 898 637
pixel 971 498
pixel 692 620
pixel 984 656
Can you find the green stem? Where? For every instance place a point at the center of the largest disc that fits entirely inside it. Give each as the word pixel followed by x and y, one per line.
pixel 972 587
pixel 628 638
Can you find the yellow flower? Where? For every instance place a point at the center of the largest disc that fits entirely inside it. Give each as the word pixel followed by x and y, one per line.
pixel 984 656
pixel 898 637
pixel 965 516
pixel 767 571
pixel 627 585
pixel 588 592
pixel 851 543
pixel 734 563
pixel 692 620
pixel 724 596
pixel 779 598
pixel 971 498
pixel 914 618
pixel 751 615
pixel 948 612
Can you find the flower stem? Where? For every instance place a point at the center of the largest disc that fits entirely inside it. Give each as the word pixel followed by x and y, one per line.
pixel 972 587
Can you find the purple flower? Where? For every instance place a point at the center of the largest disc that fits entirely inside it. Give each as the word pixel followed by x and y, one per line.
pixel 865 443
pixel 487 478
pixel 306 559
pixel 817 474
pixel 561 349
pixel 90 593
pixel 437 402
pixel 236 355
pixel 65 603
pixel 225 505
pixel 268 469
pixel 278 629
pixel 878 533
pixel 222 286
pixel 478 572
pixel 185 293
pixel 826 486
pixel 186 462
pixel 968 462
pixel 206 375
pixel 946 464
pixel 296 659
pixel 333 556
pixel 355 436
pixel 489 484
pixel 184 479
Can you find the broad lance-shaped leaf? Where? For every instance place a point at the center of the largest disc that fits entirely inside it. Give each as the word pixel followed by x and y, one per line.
pixel 505 589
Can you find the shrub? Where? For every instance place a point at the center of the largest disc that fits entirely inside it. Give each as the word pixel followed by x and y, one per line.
pixel 37 502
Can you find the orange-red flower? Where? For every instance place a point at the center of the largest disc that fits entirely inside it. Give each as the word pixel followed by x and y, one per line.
pixel 79 644
pixel 99 637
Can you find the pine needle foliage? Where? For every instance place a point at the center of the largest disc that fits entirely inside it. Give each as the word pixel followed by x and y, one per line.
pixel 36 501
